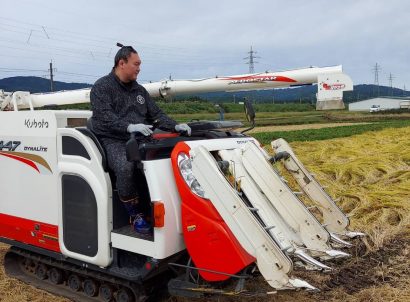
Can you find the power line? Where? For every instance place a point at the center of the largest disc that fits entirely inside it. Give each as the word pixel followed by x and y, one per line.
pixel 51 47
pixel 78 74
pixel 20 69
pixel 28 40
pixel 69 61
pixel 87 37
pixel 45 32
pixel 167 54
pixel 55 53
pixel 32 73
pixel 86 52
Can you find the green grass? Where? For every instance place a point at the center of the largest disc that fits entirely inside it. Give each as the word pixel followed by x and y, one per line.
pixel 327 133
pixel 192 107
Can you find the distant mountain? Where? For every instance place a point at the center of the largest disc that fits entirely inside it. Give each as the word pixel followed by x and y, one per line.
pixel 305 94
pixel 36 84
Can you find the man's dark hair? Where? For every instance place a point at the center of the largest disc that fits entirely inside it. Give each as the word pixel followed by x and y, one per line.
pixel 123 54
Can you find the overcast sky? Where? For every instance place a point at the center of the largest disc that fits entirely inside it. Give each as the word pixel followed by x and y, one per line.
pixel 195 39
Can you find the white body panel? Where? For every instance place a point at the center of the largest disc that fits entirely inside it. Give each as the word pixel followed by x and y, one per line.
pixel 284 235
pixel 168 240
pixel 92 172
pixel 292 210
pixel 37 195
pixel 26 192
pixel 273 264
pixel 331 86
pixel 221 144
pixel 333 217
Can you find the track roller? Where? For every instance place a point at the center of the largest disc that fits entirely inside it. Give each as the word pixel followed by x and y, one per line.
pixel 41 271
pixel 90 287
pixel 74 282
pixel 106 292
pixel 124 295
pixel 55 276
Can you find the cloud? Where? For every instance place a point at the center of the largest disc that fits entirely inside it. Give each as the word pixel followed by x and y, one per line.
pixel 201 38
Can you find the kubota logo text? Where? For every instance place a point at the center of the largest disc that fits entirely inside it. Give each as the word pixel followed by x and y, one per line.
pixel 33 123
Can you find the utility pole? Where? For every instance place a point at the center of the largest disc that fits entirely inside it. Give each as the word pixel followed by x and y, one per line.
pixel 391 77
pixel 51 76
pixel 404 90
pixel 376 71
pixel 251 60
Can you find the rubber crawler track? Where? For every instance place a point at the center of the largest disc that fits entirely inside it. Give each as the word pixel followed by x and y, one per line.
pixel 34 269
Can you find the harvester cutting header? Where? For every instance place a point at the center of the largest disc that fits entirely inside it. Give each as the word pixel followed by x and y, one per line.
pixel 221 213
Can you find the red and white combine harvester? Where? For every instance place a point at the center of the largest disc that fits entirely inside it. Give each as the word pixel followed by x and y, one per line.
pixel 221 213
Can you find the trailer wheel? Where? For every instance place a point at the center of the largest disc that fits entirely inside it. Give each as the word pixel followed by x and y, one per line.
pixel 90 287
pixel 74 282
pixel 125 295
pixel 55 276
pixel 106 293
pixel 41 271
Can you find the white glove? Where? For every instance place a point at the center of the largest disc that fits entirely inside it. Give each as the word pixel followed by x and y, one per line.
pixel 183 128
pixel 141 128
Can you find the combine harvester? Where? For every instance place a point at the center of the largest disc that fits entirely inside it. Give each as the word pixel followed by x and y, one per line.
pixel 221 212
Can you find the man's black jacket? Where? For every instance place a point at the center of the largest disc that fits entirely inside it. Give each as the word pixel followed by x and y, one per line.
pixel 115 105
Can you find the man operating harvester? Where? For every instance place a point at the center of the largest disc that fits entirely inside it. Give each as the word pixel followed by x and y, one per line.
pixel 121 106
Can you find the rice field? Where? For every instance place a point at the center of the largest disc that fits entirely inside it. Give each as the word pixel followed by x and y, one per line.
pixel 327 132
pixel 370 172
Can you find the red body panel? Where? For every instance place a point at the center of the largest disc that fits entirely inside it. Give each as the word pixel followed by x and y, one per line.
pixel 31 232
pixel 208 239
pixel 165 135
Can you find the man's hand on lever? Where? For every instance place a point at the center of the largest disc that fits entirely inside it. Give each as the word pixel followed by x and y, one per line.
pixel 181 128
pixel 141 128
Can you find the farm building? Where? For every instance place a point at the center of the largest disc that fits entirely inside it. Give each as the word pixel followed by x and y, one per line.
pixel 385 103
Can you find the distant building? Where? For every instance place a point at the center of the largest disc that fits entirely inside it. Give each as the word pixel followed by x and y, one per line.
pixel 385 103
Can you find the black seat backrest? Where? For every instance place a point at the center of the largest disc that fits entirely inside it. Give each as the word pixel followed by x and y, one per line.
pixel 87 131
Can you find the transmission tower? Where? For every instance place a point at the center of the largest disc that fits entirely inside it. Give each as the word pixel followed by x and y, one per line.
pixel 251 60
pixel 376 71
pixel 391 78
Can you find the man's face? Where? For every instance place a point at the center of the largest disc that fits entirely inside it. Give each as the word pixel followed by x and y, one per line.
pixel 130 69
